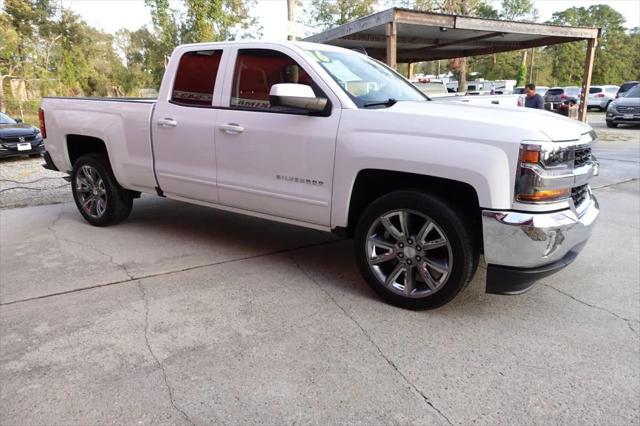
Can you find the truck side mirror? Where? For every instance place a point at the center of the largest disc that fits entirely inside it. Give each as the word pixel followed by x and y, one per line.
pixel 295 95
pixel 18 120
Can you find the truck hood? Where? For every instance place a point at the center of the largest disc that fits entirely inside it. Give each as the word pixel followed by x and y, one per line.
pixel 533 124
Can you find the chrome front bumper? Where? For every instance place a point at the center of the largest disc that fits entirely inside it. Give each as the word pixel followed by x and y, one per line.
pixel 533 244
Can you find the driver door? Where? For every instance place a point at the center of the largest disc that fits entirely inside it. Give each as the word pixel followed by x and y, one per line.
pixel 269 160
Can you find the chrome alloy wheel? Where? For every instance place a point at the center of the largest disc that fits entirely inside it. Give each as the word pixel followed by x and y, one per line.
pixel 91 191
pixel 409 253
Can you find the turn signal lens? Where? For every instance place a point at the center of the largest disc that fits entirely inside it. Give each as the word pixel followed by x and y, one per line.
pixel 530 157
pixel 545 195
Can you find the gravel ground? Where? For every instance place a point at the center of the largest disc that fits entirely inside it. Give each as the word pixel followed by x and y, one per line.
pixel 24 182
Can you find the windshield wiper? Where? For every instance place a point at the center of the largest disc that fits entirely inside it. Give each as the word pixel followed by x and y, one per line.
pixel 388 103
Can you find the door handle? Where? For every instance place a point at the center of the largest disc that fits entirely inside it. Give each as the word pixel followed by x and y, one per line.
pixel 167 122
pixel 231 128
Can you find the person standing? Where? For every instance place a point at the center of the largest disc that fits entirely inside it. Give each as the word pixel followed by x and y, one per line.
pixel 533 100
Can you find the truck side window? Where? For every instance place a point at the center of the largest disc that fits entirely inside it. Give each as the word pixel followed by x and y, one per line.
pixel 259 69
pixel 196 78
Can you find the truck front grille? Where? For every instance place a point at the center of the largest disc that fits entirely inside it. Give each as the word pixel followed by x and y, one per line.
pixel 582 155
pixel 579 194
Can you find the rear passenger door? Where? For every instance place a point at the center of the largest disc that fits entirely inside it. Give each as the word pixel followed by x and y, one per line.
pixel 272 160
pixel 183 128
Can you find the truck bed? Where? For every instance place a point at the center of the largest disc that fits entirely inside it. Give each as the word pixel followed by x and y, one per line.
pixel 122 124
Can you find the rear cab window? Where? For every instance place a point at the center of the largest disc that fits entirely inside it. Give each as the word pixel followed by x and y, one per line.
pixel 196 78
pixel 555 92
pixel 595 90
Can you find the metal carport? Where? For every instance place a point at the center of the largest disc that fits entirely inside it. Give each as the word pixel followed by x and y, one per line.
pixel 404 35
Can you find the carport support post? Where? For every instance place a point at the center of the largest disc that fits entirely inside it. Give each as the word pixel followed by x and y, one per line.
pixel 586 80
pixel 392 44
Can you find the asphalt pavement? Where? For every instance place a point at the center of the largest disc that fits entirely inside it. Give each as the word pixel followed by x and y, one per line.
pixel 187 315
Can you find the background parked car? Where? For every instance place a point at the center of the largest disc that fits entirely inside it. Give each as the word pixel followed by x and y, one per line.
pixel 625 87
pixel 18 139
pixel 540 90
pixel 431 87
pixel 600 96
pixel 558 98
pixel 625 109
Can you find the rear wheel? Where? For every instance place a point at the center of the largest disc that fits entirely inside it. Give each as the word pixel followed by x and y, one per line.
pixel 98 196
pixel 414 250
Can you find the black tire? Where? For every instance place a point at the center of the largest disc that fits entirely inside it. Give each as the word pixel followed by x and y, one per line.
pixel 35 155
pixel 119 201
pixel 611 124
pixel 464 250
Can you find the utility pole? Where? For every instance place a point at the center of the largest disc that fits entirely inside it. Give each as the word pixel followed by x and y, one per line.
pixel 291 5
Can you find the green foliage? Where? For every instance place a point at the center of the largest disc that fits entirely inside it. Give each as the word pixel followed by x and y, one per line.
pixel 519 10
pixel 521 77
pixel 45 44
pixel 49 46
pixel 615 51
pixel 330 13
pixel 201 21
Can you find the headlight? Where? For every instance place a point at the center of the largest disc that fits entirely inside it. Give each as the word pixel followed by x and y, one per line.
pixel 612 107
pixel 542 172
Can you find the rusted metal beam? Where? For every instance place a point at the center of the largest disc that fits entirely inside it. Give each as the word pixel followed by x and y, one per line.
pixel 586 80
pixel 375 38
pixel 454 42
pixel 392 44
pixel 478 24
pixel 404 16
pixel 353 27
pixel 432 55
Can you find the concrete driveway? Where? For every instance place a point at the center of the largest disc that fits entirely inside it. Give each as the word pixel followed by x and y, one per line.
pixel 186 315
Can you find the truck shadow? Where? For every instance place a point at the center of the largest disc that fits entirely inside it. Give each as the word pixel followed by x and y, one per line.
pixel 320 258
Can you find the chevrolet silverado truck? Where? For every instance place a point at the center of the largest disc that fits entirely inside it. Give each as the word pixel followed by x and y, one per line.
pixel 330 139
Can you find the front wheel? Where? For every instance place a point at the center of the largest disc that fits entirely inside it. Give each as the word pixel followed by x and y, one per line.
pixel 414 250
pixel 98 196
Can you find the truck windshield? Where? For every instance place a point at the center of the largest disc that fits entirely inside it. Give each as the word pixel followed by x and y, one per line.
pixel 367 82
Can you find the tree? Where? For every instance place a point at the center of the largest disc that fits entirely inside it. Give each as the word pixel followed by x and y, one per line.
pixel 143 59
pixel 200 21
pixel 327 14
pixel 425 5
pixel 8 58
pixel 518 10
pixel 614 51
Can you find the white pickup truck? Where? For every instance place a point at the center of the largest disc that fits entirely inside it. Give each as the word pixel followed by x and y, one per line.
pixel 327 138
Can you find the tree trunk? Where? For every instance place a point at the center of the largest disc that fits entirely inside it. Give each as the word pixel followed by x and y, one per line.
pixel 3 105
pixel 462 75
pixel 291 4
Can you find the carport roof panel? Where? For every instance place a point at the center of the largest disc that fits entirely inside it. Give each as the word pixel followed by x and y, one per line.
pixel 429 36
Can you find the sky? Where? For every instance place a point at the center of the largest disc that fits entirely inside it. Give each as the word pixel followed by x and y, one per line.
pixel 111 15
